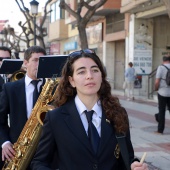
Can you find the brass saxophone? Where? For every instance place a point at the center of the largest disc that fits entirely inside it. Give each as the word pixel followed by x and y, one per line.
pixel 28 140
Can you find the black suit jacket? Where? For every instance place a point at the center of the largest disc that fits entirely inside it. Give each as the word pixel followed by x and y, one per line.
pixel 13 103
pixel 1 83
pixel 64 133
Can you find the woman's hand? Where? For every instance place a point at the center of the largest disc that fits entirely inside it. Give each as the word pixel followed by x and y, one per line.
pixel 139 166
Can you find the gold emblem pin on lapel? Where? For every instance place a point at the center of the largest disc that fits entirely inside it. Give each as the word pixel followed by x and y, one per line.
pixel 117 151
pixel 108 121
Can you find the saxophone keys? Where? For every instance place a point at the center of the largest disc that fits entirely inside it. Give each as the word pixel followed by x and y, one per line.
pixel 25 141
pixel 14 167
pixel 19 154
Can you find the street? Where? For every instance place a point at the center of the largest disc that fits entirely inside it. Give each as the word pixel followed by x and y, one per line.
pixel 142 127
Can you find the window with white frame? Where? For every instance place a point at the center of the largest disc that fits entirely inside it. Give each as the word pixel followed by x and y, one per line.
pixel 57 13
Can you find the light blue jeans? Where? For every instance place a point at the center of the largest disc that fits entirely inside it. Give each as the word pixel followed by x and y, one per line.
pixel 130 89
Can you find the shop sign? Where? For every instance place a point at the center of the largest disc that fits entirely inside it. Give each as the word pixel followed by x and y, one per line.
pixel 70 46
pixel 94 34
pixel 143 61
pixel 143 44
pixel 55 48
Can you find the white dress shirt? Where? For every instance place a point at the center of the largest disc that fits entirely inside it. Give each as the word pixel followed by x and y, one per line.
pixel 29 88
pixel 3 76
pixel 97 115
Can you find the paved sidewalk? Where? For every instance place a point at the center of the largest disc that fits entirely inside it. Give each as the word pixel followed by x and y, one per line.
pixel 142 127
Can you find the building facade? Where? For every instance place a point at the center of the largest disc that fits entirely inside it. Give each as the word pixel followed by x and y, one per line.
pixel 148 39
pixel 119 32
pixel 105 34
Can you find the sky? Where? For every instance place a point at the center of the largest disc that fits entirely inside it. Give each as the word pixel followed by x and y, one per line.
pixel 9 10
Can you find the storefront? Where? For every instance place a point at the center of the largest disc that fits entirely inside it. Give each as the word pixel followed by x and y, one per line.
pixel 55 48
pixel 70 47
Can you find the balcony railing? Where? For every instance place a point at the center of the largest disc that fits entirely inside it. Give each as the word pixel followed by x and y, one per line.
pixel 115 27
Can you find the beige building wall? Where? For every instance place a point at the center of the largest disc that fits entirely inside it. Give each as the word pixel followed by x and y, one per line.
pixel 109 63
pixel 58 30
pixel 161 39
pixel 72 31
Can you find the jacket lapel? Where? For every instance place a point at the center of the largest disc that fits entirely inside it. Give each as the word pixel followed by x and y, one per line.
pixel 74 122
pixel 106 133
pixel 1 80
pixel 20 86
pixel 41 87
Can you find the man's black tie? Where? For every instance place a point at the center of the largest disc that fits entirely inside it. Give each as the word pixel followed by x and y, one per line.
pixel 35 92
pixel 92 131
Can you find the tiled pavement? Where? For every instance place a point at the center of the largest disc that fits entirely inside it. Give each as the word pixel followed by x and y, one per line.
pixel 142 127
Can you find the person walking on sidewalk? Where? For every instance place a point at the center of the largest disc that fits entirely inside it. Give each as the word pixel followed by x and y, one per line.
pixel 163 93
pixel 130 78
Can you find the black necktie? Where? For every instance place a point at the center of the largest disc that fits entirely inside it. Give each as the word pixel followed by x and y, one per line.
pixel 35 92
pixel 92 131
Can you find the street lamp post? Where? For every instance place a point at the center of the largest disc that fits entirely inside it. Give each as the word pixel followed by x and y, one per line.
pixel 34 11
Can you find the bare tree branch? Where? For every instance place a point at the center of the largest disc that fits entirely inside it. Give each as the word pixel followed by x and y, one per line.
pixel 45 13
pixel 25 12
pixel 64 6
pixel 27 27
pixel 82 21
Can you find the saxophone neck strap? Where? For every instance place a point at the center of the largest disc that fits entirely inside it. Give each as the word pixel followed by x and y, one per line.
pixel 123 149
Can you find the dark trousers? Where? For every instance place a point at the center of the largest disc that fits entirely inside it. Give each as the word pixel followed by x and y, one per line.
pixel 163 102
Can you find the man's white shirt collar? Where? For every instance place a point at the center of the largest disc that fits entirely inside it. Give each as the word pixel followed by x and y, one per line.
pixel 28 80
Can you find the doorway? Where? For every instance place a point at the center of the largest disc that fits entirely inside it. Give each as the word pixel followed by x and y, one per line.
pixel 119 64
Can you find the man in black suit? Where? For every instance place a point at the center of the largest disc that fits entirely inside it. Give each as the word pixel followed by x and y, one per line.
pixel 17 102
pixel 5 53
